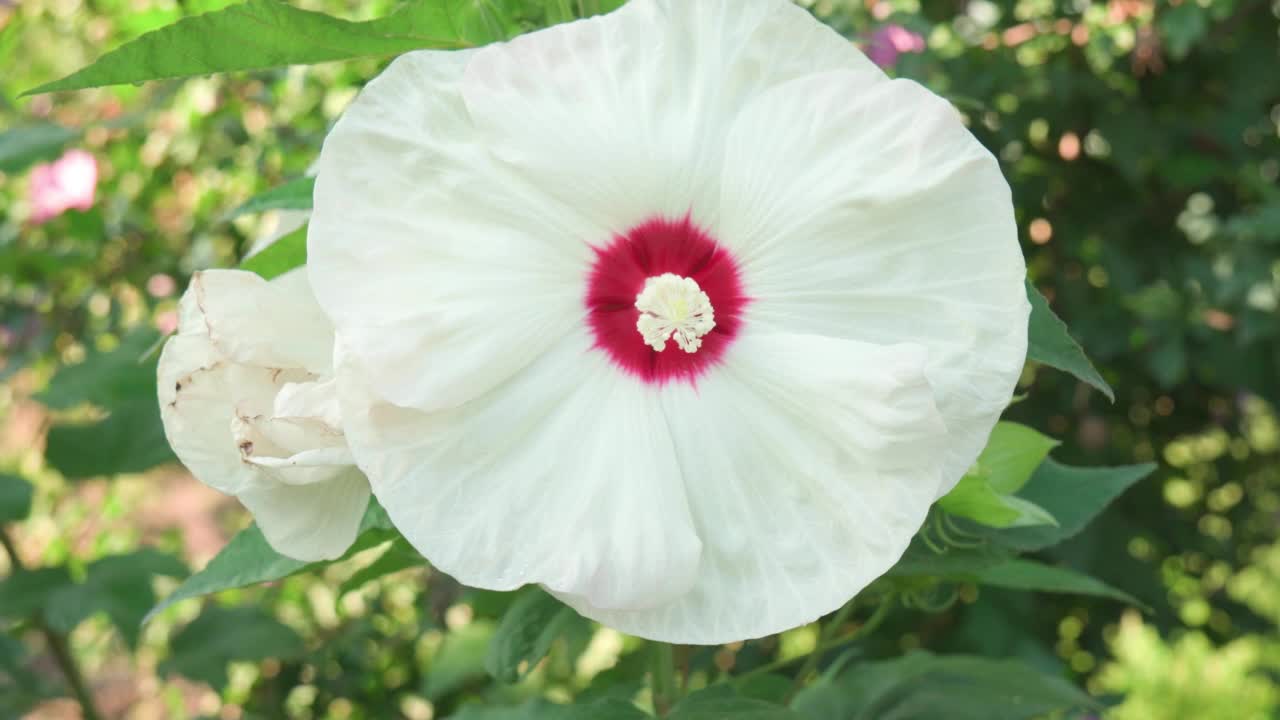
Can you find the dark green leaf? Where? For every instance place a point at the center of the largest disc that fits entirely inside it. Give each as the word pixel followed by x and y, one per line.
pixel 15 498
pixel 1022 574
pixel 720 703
pixel 26 591
pixel 108 378
pixel 525 635
pixel 607 709
pixel 119 586
pixel 261 34
pixel 130 439
pixel 202 649
pixel 1074 496
pixel 920 560
pixel 22 147
pixel 281 256
pixel 922 686
pixel 458 661
pixel 1049 342
pixel 293 195
pixel 249 560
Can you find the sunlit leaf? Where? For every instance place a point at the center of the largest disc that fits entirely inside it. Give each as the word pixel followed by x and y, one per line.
pixel 293 195
pixel 281 256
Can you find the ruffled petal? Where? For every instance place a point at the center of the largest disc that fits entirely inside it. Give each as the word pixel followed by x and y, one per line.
pixel 263 323
pixel 809 462
pixel 565 476
pixel 867 211
pixel 310 522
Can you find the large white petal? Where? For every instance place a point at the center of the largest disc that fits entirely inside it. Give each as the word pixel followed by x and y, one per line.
pixel 867 211
pixel 310 522
pixel 810 462
pixel 565 475
pixel 445 276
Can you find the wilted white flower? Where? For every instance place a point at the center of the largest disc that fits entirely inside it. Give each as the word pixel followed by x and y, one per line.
pixel 249 405
pixel 687 313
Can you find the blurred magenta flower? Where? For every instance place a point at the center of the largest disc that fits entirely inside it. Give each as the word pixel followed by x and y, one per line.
pixel 69 182
pixel 890 41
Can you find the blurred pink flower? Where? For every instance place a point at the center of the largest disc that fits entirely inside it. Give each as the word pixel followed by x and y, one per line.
pixel 890 41
pixel 69 182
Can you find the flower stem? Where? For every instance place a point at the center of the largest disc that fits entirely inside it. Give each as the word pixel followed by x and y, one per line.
pixel 57 643
pixel 662 677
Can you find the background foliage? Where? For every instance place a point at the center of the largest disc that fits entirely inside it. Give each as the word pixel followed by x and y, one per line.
pixel 1142 142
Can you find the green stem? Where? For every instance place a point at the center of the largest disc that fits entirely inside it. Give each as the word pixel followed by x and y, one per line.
pixel 57 643
pixel 662 677
pixel 876 620
pixel 828 631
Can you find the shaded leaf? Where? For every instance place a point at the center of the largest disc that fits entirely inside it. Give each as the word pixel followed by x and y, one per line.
pixel 526 633
pixel 130 439
pixel 1022 574
pixel 24 592
pixel 15 498
pixel 22 147
pixel 922 686
pixel 105 379
pixel 719 703
pixel 261 34
pixel 1074 496
pixel 459 660
pixel 606 709
pixel 279 257
pixel 398 555
pixel 119 586
pixel 1049 342
pixel 201 650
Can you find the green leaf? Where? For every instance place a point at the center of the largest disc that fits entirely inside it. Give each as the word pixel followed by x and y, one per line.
pixel 459 660
pixel 1012 453
pixel 15 498
pixel 605 709
pixel 526 633
pixel 119 586
pixel 922 686
pixel 130 439
pixel 398 555
pixel 26 591
pixel 720 703
pixel 22 147
pixel 293 195
pixel 105 379
pixel 249 560
pixel 202 649
pixel 261 34
pixel 975 498
pixel 1073 496
pixel 1049 342
pixel 1022 574
pixel 281 256
pixel 922 561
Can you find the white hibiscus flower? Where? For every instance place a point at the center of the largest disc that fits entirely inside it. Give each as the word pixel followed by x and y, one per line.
pixel 250 407
pixel 687 313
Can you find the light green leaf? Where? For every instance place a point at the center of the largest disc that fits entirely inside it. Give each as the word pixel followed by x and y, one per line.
pixel 261 34
pixel 1012 453
pixel 293 195
pixel 1073 496
pixel 281 256
pixel 922 686
pixel 720 703
pixel 975 498
pixel 1049 342
pixel 15 498
pixel 249 560
pixel 1022 574
pixel 22 147
pixel 202 649
pixel 526 633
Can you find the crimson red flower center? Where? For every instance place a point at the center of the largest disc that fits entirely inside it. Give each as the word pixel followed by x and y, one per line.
pixel 653 248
